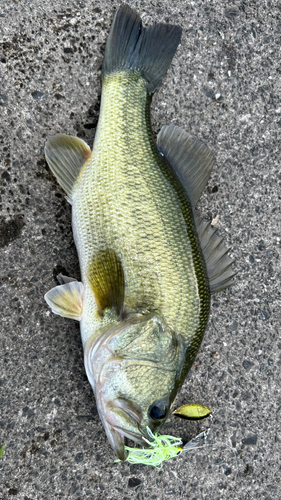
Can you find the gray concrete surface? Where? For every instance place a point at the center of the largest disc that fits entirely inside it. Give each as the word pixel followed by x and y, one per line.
pixel 223 87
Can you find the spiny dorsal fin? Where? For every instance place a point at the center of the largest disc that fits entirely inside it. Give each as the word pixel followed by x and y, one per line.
pixel 66 156
pixel 190 158
pixel 106 278
pixel 147 51
pixel 218 263
pixel 66 300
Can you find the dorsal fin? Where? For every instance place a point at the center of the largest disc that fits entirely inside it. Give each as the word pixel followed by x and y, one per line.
pixel 66 156
pixel 190 158
pixel 192 162
pixel 106 279
pixel 218 263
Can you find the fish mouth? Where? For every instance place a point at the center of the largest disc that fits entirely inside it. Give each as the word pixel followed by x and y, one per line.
pixel 122 418
pixel 123 421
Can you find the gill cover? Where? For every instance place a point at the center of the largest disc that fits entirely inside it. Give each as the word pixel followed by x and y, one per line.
pixel 133 367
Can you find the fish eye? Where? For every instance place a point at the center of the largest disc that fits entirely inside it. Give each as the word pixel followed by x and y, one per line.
pixel 157 412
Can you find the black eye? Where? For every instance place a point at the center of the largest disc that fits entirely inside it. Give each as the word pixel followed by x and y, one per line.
pixel 157 412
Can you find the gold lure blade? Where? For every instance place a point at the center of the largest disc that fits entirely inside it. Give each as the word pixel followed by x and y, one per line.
pixel 192 412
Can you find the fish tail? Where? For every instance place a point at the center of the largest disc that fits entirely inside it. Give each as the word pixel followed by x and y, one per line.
pixel 147 51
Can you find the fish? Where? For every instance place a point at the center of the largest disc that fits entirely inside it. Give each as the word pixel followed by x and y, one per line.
pixel 149 263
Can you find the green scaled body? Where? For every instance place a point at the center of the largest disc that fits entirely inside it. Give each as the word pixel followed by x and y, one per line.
pixel 129 201
pixel 148 263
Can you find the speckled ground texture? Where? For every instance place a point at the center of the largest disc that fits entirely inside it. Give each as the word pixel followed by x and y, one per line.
pixel 224 88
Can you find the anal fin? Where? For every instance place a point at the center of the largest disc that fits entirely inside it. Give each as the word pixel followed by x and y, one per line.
pixel 66 156
pixel 218 263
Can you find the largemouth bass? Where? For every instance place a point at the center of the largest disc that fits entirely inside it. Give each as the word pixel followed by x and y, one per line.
pixel 148 262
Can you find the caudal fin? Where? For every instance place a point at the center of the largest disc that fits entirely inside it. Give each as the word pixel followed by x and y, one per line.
pixel 148 51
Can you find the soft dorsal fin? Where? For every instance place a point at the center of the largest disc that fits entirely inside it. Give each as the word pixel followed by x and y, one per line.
pixel 192 162
pixel 190 158
pixel 106 279
pixel 218 263
pixel 66 156
pixel 66 300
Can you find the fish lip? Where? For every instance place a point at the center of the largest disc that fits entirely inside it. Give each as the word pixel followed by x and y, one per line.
pixel 117 436
pixel 117 431
pixel 138 438
pixel 117 441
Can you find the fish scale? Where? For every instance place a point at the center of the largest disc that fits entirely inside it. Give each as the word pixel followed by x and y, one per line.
pixel 121 180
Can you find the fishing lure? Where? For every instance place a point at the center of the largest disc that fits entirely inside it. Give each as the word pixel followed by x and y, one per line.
pixel 192 412
pixel 161 449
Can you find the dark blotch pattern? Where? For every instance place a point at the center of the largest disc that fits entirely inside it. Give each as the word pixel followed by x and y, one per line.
pixel 10 230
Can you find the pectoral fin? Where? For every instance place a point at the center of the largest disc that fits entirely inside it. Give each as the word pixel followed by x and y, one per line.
pixel 67 300
pixel 106 278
